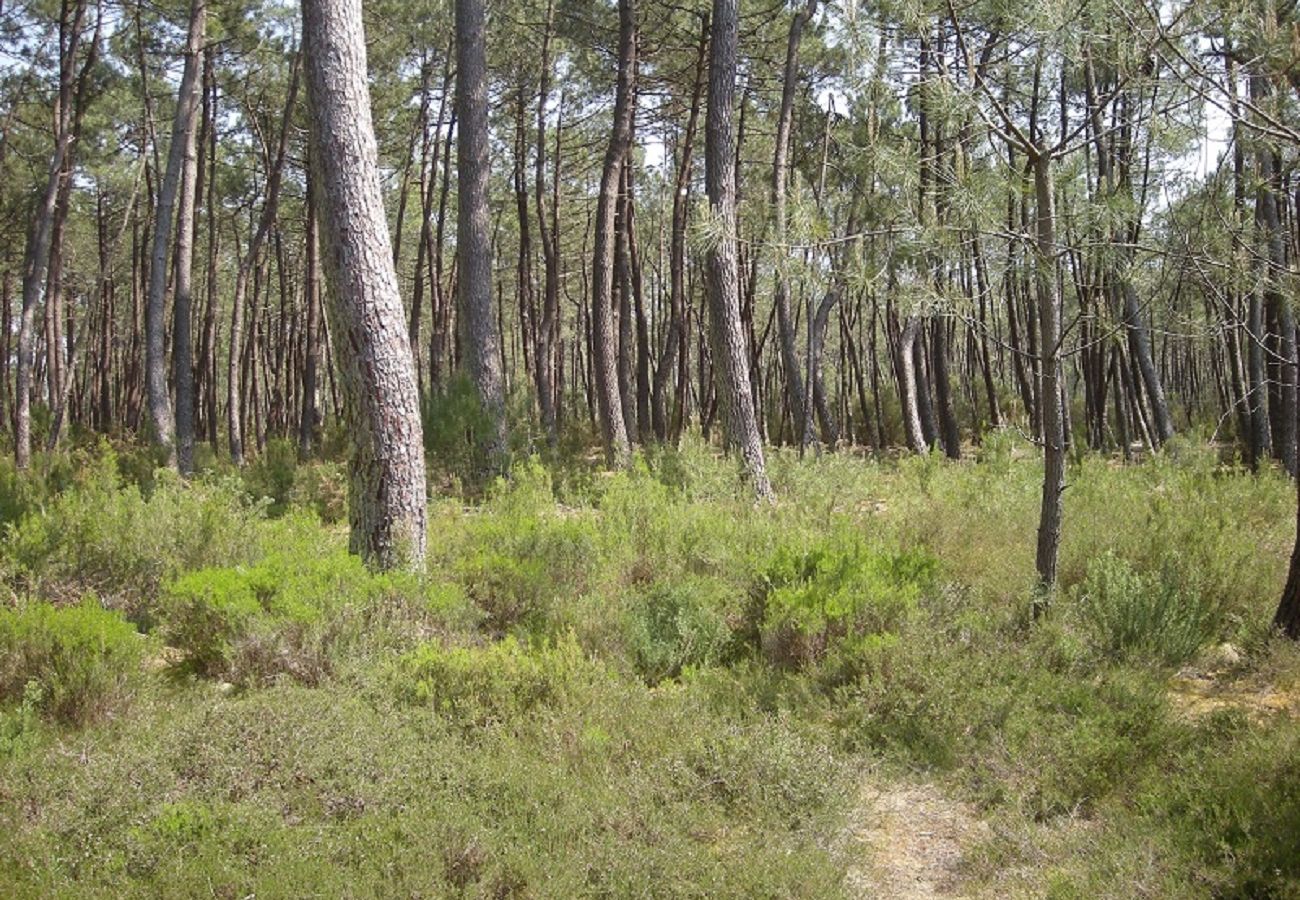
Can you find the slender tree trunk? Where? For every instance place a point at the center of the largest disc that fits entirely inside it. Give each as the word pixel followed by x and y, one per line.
pixel 182 348
pixel 387 499
pixel 794 388
pixel 728 339
pixel 155 357
pixel 235 396
pixel 479 332
pixel 676 342
pixel 36 257
pixel 312 336
pixel 605 355
pixel 909 388
pixel 1049 311
pixel 544 355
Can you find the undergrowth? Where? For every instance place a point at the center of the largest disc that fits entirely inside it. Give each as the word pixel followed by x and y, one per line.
pixel 639 683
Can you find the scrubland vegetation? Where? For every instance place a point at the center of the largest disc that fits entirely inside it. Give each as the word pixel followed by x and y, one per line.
pixel 641 683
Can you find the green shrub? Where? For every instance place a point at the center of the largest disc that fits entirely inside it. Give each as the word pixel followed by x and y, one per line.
pixel 323 488
pixel 833 590
pixel 278 617
pixel 1129 614
pixel 272 474
pixel 481 685
pixel 108 538
pixel 517 554
pixel 683 623
pixel 83 659
pixel 1240 816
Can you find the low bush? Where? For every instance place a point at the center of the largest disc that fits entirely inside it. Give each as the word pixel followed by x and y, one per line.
pixel 683 623
pixel 74 663
pixel 482 685
pixel 1127 614
pixel 271 476
pixel 280 616
pixel 105 537
pixel 834 590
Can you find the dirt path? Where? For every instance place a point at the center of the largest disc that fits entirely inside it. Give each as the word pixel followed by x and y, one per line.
pixel 908 840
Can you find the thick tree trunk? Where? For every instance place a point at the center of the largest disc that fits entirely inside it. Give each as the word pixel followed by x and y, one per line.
pixel 950 435
pixel 1279 311
pixel 727 336
pixel 1287 618
pixel 387 500
pixel 609 398
pixel 480 337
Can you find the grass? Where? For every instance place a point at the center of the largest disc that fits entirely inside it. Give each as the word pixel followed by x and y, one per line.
pixel 640 683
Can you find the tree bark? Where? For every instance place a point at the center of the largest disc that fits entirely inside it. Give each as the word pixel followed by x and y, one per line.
pixel 609 399
pixel 728 339
pixel 480 337
pixel 1049 311
pixel 182 347
pixel 794 388
pixel 155 355
pixel 387 499
pixel 36 256
pixel 676 344
pixel 312 335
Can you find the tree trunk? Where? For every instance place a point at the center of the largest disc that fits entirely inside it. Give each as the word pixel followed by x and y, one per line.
pixel 794 388
pixel 480 337
pixel 604 349
pixel 234 382
pixel 36 256
pixel 312 336
pixel 387 500
pixel 544 355
pixel 1287 618
pixel 155 355
pixel 182 348
pixel 728 339
pixel 676 346
pixel 1049 311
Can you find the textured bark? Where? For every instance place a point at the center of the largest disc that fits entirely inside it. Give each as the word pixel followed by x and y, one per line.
pixel 727 337
pixel 480 337
pixel 155 355
pixel 387 499
pixel 1279 311
pixel 1287 618
pixel 908 386
pixel 950 435
pixel 36 256
pixel 794 388
pixel 1049 311
pixel 182 347
pixel 609 400
pixel 815 395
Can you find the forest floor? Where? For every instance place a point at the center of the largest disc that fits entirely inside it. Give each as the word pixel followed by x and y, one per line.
pixel 908 842
pixel 641 684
